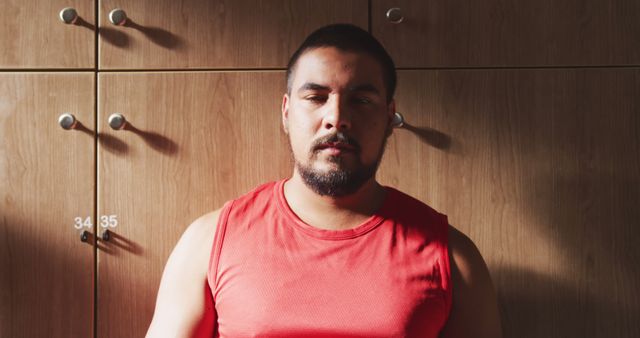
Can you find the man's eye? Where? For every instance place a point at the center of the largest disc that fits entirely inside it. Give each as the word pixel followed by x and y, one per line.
pixel 362 100
pixel 316 99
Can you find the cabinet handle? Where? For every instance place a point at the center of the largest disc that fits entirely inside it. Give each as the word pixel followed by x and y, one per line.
pixel 84 236
pixel 68 15
pixel 117 121
pixel 67 121
pixel 398 120
pixel 106 235
pixel 118 17
pixel 394 15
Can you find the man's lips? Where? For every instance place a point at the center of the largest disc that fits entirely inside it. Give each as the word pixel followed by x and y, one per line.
pixel 337 145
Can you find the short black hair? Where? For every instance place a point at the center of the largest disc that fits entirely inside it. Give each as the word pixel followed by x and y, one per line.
pixel 348 38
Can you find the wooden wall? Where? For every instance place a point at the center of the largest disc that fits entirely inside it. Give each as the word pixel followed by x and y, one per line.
pixel 522 126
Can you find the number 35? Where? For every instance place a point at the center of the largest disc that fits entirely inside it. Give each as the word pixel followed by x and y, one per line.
pixel 109 221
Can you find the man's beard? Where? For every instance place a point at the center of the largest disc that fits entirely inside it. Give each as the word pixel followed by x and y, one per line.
pixel 339 181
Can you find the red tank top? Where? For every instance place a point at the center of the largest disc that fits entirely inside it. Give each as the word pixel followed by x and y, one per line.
pixel 272 275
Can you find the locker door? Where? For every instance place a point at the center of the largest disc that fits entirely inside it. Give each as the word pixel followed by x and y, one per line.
pixel 46 200
pixel 520 33
pixel 170 34
pixel 193 141
pixel 33 36
pixel 541 168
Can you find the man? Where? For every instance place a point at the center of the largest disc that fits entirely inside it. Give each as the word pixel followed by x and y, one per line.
pixel 328 252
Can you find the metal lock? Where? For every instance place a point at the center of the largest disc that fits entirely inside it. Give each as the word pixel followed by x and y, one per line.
pixel 118 17
pixel 67 121
pixel 106 235
pixel 117 121
pixel 398 120
pixel 68 15
pixel 84 236
pixel 394 15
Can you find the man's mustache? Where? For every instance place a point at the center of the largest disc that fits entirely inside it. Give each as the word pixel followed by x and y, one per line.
pixel 335 138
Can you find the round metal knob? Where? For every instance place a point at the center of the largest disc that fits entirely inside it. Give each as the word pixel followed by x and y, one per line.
pixel 398 120
pixel 68 15
pixel 84 236
pixel 394 15
pixel 118 17
pixel 117 121
pixel 67 121
pixel 106 235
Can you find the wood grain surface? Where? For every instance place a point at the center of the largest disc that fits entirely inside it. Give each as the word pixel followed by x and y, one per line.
pixel 215 34
pixel 518 33
pixel 33 36
pixel 46 181
pixel 197 140
pixel 538 162
pixel 541 168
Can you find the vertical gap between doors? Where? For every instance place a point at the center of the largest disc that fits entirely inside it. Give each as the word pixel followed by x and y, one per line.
pixel 369 16
pixel 95 172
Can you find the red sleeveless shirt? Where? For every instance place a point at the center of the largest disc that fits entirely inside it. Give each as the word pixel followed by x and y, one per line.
pixel 272 275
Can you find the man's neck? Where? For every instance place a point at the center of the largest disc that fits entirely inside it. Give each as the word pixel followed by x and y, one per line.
pixel 333 213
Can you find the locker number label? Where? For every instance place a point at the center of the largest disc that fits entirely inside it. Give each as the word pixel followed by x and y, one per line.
pixel 109 221
pixel 106 221
pixel 80 223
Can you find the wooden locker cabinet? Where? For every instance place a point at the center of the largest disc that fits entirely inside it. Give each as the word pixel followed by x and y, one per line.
pixel 194 34
pixel 541 168
pixel 519 33
pixel 42 246
pixel 46 181
pixel 538 166
pixel 195 140
pixel 33 36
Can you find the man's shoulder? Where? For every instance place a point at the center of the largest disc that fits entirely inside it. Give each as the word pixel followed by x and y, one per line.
pixel 197 239
pixel 204 224
pixel 262 189
pixel 261 194
pixel 462 246
pixel 180 305
pixel 475 309
pixel 409 207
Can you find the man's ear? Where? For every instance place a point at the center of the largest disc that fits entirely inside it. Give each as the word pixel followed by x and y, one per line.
pixel 285 113
pixel 391 112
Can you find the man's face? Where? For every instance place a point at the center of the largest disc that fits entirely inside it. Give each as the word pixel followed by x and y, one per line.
pixel 337 118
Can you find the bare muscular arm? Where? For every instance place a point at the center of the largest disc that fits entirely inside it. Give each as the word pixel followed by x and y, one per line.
pixel 184 307
pixel 475 309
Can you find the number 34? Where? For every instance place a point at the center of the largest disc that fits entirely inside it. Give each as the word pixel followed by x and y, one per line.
pixel 106 221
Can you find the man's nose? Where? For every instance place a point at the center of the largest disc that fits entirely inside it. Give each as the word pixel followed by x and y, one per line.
pixel 337 116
